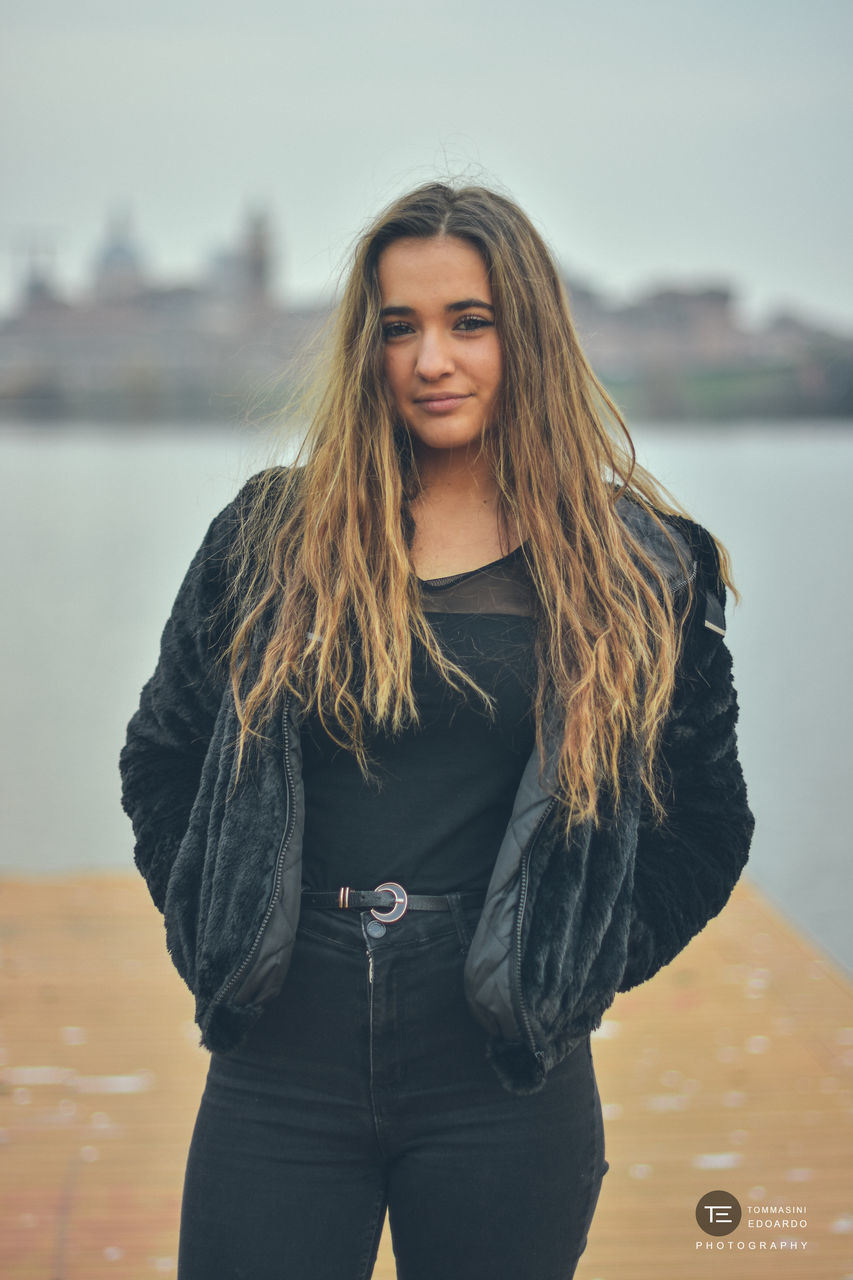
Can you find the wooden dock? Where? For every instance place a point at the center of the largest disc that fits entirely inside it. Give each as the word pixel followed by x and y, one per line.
pixel 731 1071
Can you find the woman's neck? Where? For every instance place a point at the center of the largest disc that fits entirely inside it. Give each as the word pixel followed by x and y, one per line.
pixel 456 515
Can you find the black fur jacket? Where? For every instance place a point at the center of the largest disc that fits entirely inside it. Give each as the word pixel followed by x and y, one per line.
pixel 566 923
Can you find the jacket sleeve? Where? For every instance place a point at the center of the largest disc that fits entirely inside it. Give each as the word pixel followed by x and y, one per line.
pixel 168 736
pixel 688 863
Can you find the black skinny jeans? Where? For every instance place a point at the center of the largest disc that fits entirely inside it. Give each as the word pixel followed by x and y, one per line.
pixel 365 1087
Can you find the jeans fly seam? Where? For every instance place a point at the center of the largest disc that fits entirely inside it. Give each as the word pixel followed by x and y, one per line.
pixel 377 1123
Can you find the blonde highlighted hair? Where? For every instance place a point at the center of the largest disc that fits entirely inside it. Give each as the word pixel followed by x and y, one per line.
pixel 328 605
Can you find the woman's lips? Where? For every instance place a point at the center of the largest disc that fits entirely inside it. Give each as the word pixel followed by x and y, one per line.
pixel 441 404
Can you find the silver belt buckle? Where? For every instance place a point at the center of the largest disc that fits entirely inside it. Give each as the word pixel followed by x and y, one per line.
pixel 401 902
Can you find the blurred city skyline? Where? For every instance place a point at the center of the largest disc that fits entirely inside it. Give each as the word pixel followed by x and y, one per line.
pixel 123 261
pixel 132 346
pixel 669 142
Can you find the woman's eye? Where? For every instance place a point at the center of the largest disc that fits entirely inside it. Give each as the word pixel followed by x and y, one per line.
pixel 468 323
pixel 395 329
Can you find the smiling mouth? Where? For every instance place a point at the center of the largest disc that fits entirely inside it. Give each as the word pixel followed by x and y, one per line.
pixel 444 401
pixel 443 395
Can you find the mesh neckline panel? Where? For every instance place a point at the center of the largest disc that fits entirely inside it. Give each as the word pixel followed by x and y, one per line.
pixel 500 587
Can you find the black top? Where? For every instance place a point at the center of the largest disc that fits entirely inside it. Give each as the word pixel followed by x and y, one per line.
pixel 434 811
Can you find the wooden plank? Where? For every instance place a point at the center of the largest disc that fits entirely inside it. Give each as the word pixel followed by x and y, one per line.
pixel 731 1070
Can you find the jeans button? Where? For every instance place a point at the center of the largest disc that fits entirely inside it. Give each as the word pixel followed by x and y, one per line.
pixel 375 928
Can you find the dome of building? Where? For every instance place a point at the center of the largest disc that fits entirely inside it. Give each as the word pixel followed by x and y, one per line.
pixel 118 271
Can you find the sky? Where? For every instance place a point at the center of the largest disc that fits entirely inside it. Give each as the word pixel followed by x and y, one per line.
pixel 652 141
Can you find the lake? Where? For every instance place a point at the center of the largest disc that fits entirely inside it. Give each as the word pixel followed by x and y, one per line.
pixel 99 526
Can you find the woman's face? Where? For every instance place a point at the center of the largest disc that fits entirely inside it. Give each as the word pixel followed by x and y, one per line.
pixel 443 360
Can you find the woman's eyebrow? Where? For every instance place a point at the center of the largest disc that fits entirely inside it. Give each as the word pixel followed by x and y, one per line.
pixel 463 305
pixel 469 302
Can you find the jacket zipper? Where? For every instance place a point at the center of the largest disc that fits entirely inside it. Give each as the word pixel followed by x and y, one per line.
pixel 240 973
pixel 686 579
pixel 522 902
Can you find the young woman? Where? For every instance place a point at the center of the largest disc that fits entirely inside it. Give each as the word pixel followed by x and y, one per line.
pixel 439 755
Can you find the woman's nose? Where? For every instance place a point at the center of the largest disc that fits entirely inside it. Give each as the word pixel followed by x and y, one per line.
pixel 435 357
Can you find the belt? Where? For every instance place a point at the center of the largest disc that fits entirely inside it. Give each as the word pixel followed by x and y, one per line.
pixel 390 896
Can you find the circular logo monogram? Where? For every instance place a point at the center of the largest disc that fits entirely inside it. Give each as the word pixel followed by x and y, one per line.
pixel 718 1213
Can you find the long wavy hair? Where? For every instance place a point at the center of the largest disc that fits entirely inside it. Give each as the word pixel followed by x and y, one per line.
pixel 328 604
